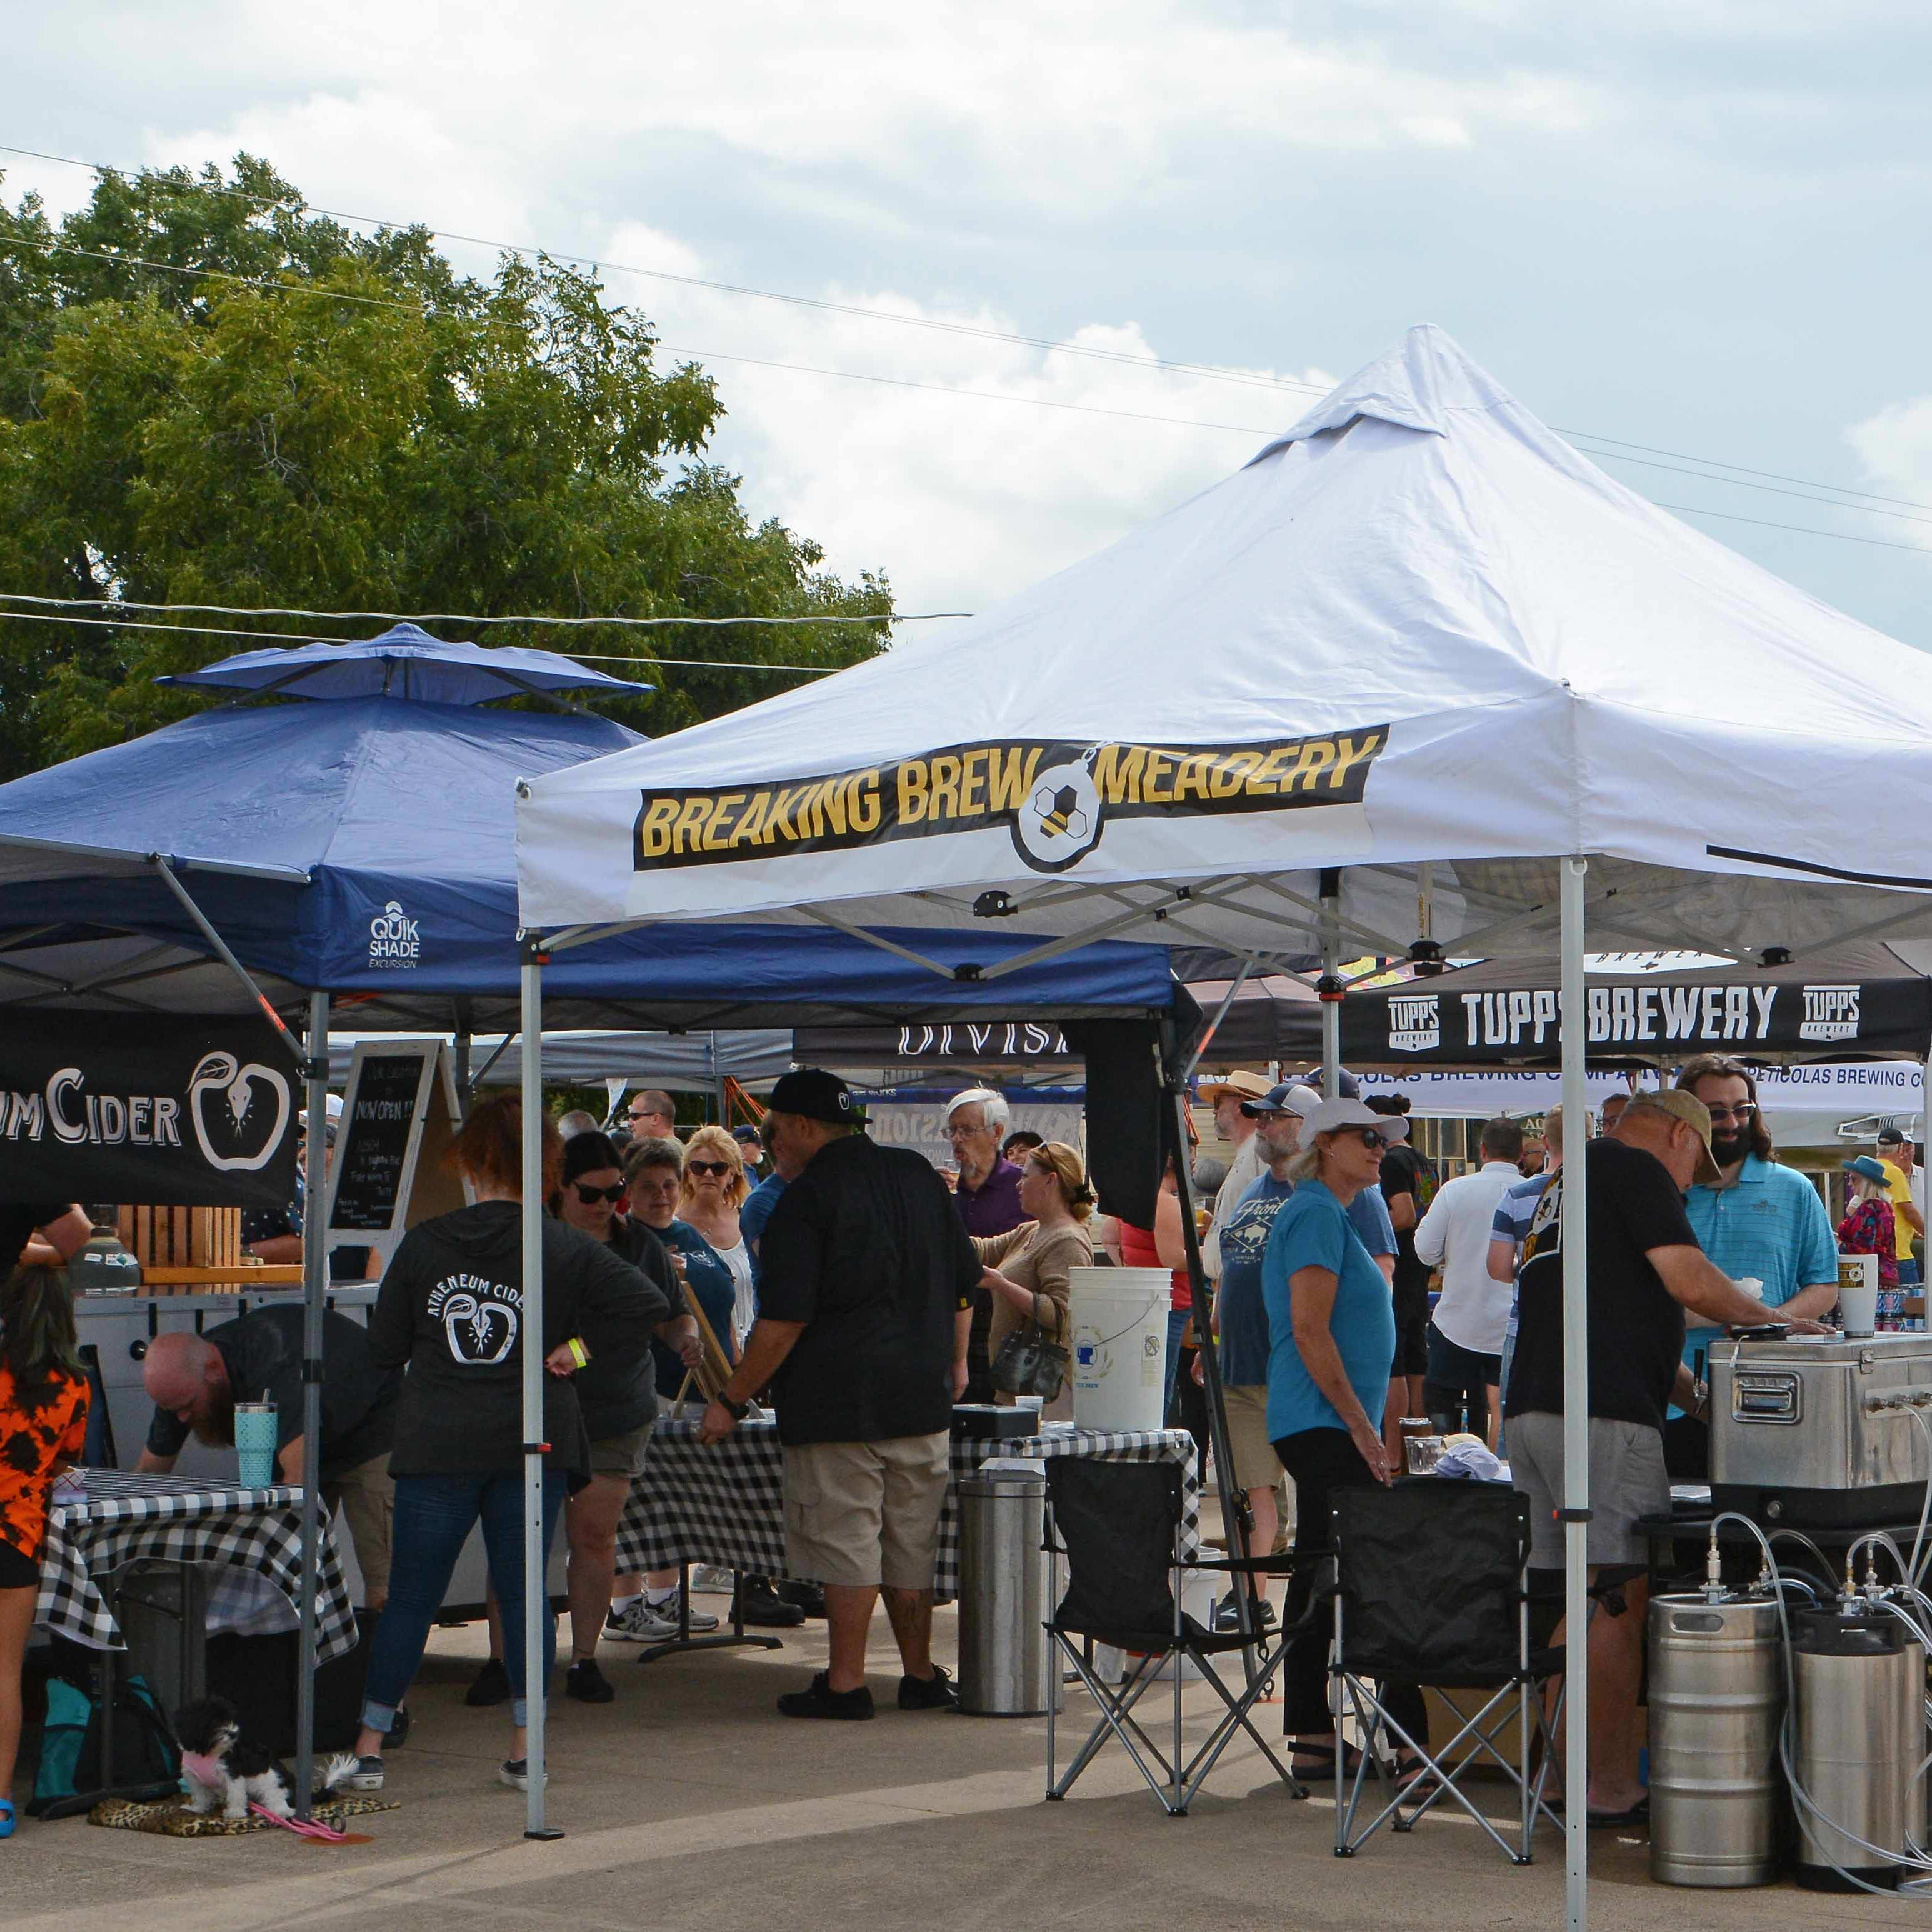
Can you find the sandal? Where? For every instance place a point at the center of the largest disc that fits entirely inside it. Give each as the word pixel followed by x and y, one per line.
pixel 6 1819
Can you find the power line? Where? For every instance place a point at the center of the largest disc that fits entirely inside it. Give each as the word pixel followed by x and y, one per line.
pixel 987 395
pixel 450 617
pixel 933 323
pixel 1207 370
pixel 295 637
pixel 1801 529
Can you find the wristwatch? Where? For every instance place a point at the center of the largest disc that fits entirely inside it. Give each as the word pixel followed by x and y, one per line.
pixel 737 1411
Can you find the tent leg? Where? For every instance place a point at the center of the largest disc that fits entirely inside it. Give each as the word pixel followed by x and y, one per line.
pixel 1575 1239
pixel 315 1285
pixel 1330 984
pixel 536 1595
pixel 1236 1520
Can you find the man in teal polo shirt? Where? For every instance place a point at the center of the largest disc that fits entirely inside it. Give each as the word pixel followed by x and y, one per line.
pixel 1759 1220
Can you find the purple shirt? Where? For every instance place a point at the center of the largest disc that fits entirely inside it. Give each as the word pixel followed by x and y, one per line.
pixel 994 1207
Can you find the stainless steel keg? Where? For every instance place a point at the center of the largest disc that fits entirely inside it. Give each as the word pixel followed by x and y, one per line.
pixel 1716 1699
pixel 1859 1734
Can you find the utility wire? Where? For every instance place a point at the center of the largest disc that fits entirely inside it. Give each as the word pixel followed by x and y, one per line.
pixel 295 637
pixel 1206 371
pixel 1039 402
pixel 448 617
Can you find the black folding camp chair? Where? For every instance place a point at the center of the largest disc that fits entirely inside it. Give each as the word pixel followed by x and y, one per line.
pixel 1432 1580
pixel 1119 1525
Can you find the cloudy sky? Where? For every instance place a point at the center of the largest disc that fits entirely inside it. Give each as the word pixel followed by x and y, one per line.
pixel 1698 226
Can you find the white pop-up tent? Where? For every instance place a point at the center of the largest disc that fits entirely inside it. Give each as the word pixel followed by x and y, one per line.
pixel 1418 678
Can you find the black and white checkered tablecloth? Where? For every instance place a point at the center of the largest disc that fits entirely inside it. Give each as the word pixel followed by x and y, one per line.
pixel 123 1516
pixel 725 1503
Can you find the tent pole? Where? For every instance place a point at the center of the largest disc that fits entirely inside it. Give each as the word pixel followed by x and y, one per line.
pixel 1574 1236
pixel 1330 985
pixel 536 1594
pixel 1236 1522
pixel 315 1288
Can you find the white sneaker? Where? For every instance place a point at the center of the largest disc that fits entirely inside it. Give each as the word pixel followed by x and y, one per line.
pixel 709 1579
pixel 640 1624
pixel 666 1608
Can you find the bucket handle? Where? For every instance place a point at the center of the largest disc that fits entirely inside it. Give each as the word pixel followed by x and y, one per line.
pixel 1119 1332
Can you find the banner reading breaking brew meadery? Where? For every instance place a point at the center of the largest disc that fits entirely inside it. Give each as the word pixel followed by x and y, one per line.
pixel 147 1108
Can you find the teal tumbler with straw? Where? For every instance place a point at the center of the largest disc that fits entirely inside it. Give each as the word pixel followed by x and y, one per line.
pixel 255 1443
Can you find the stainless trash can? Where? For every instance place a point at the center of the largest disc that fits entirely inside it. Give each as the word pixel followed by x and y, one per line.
pixel 1006 1585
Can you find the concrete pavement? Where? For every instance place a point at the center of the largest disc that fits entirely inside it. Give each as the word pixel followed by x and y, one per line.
pixel 691 1803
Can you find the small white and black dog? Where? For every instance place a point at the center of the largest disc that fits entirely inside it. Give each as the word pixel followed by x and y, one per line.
pixel 223 1771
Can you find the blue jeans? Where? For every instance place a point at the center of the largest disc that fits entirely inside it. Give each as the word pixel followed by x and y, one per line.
pixel 434 1515
pixel 1908 1274
pixel 1177 1319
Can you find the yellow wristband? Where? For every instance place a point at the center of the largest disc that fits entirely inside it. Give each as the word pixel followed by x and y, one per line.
pixel 578 1353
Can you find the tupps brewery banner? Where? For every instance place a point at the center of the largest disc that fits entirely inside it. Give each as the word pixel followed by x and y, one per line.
pixel 150 1109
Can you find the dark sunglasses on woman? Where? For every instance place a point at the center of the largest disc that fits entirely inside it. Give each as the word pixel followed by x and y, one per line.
pixel 590 1196
pixel 719 1168
pixel 1371 1137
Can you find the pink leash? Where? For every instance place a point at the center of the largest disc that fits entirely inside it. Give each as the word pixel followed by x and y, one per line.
pixel 326 1834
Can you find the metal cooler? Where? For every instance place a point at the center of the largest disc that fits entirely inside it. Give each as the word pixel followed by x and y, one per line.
pixel 1820 1430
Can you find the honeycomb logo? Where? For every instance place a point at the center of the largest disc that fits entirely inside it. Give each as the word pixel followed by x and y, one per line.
pixel 1060 823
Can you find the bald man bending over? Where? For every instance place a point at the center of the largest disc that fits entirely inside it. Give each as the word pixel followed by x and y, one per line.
pixel 195 1380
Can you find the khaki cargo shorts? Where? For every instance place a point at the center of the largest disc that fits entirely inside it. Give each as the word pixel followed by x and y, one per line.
pixel 861 1514
pixel 367 1495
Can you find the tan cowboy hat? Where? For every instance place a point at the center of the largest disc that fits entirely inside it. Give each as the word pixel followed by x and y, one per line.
pixel 1248 1086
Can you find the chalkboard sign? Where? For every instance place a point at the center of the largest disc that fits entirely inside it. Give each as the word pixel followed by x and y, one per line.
pixel 372 1158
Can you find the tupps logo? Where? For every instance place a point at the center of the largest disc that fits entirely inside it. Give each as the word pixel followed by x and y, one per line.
pixel 1415 1022
pixel 1054 799
pixel 393 938
pixel 1831 1013
pixel 239 1114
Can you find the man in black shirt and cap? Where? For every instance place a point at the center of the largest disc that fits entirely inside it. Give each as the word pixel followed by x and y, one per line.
pixel 865 1309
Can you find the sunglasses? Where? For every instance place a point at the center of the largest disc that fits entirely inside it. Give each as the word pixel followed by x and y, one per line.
pixel 590 1196
pixel 719 1168
pixel 1371 1137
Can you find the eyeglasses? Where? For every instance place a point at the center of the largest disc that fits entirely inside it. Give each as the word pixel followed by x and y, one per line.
pixel 1741 1112
pixel 590 1196
pixel 1371 1137
pixel 954 1132
pixel 719 1168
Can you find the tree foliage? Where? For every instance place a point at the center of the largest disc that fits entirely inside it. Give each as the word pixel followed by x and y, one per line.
pixel 209 394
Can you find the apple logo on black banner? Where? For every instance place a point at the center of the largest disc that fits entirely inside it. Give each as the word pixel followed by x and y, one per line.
pixel 479 1331
pixel 240 1113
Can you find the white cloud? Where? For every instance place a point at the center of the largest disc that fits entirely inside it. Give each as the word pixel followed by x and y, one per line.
pixel 1895 446
pixel 963 498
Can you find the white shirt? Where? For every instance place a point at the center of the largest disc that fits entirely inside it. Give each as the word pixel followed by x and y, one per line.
pixel 744 1302
pixel 1474 1311
pixel 1244 1171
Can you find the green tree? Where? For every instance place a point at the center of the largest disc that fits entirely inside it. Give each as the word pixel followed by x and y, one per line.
pixel 209 395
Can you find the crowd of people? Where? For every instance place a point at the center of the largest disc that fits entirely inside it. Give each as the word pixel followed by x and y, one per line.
pixel 861 1291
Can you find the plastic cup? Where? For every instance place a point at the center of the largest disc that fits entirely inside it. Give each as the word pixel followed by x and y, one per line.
pixel 255 1443
pixel 1033 1403
pixel 1858 1307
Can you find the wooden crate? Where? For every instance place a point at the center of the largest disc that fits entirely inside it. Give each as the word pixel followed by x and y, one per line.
pixel 183 1237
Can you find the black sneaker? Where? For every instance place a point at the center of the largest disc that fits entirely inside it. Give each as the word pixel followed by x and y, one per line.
pixel 588 1684
pixel 809 1597
pixel 1227 1617
pixel 936 1692
pixel 822 1701
pixel 758 1602
pixel 397 1735
pixel 492 1687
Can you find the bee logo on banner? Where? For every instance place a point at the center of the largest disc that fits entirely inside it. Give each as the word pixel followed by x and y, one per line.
pixel 109 1107
pixel 1055 799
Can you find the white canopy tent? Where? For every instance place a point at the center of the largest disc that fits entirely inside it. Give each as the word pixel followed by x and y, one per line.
pixel 1419 678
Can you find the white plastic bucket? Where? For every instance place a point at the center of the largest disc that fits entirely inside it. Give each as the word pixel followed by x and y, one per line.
pixel 1119 1320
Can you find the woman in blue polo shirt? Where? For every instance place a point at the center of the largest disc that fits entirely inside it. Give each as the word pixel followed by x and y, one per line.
pixel 1331 1325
